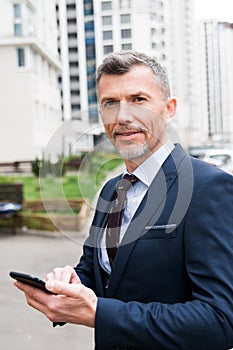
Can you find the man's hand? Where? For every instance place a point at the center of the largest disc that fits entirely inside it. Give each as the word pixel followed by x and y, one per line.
pixel 63 274
pixel 74 303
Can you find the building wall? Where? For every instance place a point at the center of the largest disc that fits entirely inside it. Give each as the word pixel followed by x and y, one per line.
pixel 16 109
pixel 31 109
pixel 133 25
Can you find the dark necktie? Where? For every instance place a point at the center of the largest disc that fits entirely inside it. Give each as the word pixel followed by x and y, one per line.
pixel 116 215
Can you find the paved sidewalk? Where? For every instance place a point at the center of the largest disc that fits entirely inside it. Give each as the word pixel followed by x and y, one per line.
pixel 22 327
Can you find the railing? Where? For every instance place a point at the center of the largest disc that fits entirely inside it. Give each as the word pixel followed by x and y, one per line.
pixel 16 167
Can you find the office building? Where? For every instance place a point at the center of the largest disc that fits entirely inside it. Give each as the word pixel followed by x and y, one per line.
pixel 219 79
pixel 76 45
pixel 30 107
pixel 164 29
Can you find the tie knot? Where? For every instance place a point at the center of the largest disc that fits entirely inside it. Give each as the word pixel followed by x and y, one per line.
pixel 126 182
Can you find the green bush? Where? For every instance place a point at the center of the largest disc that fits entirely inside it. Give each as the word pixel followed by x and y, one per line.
pixel 45 167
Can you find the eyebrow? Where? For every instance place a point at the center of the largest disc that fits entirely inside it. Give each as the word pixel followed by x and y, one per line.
pixel 135 94
pixel 106 99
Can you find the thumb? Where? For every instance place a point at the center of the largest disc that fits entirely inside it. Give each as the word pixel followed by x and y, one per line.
pixel 62 288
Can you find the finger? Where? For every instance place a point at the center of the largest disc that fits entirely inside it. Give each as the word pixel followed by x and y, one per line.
pixel 74 278
pixel 45 303
pixel 68 289
pixel 66 274
pixel 33 292
pixel 34 296
pixel 23 286
pixel 55 274
pixel 69 275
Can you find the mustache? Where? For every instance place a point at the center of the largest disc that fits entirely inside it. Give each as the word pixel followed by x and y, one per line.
pixel 131 128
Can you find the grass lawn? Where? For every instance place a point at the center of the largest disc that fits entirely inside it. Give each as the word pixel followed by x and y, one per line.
pixel 84 184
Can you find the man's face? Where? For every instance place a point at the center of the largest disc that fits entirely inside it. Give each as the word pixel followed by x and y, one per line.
pixel 133 112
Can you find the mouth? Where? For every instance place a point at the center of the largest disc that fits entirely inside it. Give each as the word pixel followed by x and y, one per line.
pixel 127 133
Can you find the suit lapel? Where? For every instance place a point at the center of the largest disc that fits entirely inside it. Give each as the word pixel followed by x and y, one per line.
pixel 151 207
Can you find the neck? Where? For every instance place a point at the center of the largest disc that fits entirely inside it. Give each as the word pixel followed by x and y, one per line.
pixel 134 163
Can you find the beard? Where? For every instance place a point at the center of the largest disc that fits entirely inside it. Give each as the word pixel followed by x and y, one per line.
pixel 129 149
pixel 132 151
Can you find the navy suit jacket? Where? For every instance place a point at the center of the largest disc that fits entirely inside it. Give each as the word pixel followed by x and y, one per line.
pixel 171 285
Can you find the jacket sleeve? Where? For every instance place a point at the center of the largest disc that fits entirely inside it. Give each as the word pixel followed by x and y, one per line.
pixel 85 269
pixel 206 321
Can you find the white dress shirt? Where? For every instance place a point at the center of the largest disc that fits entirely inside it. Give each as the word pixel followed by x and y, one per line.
pixel 145 174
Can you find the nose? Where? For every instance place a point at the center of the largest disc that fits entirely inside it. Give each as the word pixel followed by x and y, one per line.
pixel 124 114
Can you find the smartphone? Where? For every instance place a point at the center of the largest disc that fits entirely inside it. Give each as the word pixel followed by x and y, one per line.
pixel 34 282
pixel 31 280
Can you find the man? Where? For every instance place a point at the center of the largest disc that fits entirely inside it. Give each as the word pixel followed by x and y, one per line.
pixel 170 283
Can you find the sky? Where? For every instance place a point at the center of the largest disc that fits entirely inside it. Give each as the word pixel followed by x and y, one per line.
pixel 219 9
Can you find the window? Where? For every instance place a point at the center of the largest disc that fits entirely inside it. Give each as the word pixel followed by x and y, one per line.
pixel 161 4
pixel 154 45
pixel 75 107
pixel 71 7
pixel 126 33
pixel 72 36
pixel 108 49
pixel 88 8
pixel 74 79
pixel 107 34
pixel 75 92
pixel 73 64
pixel 21 57
pixel 18 29
pixel 124 4
pixel 107 20
pixel 153 16
pixel 125 18
pixel 163 30
pixel 126 46
pixel 161 18
pixel 71 20
pixel 17 11
pixel 73 49
pixel 153 32
pixel 106 5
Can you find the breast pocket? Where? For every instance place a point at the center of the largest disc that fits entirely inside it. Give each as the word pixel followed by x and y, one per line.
pixel 159 232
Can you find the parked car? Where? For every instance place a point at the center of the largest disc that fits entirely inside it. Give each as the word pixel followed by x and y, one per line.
pixel 200 151
pixel 221 158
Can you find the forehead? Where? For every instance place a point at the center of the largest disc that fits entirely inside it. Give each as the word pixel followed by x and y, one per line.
pixel 139 78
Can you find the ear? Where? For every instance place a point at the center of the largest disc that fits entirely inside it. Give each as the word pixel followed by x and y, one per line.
pixel 170 109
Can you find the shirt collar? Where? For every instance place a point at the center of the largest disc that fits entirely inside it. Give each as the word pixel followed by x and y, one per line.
pixel 150 167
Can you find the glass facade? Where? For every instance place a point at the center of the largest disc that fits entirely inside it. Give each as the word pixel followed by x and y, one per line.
pixel 90 58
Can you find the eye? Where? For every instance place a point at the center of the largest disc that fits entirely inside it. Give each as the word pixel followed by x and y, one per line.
pixel 139 99
pixel 110 104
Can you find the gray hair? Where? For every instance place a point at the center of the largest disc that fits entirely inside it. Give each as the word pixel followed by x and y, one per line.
pixel 118 63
